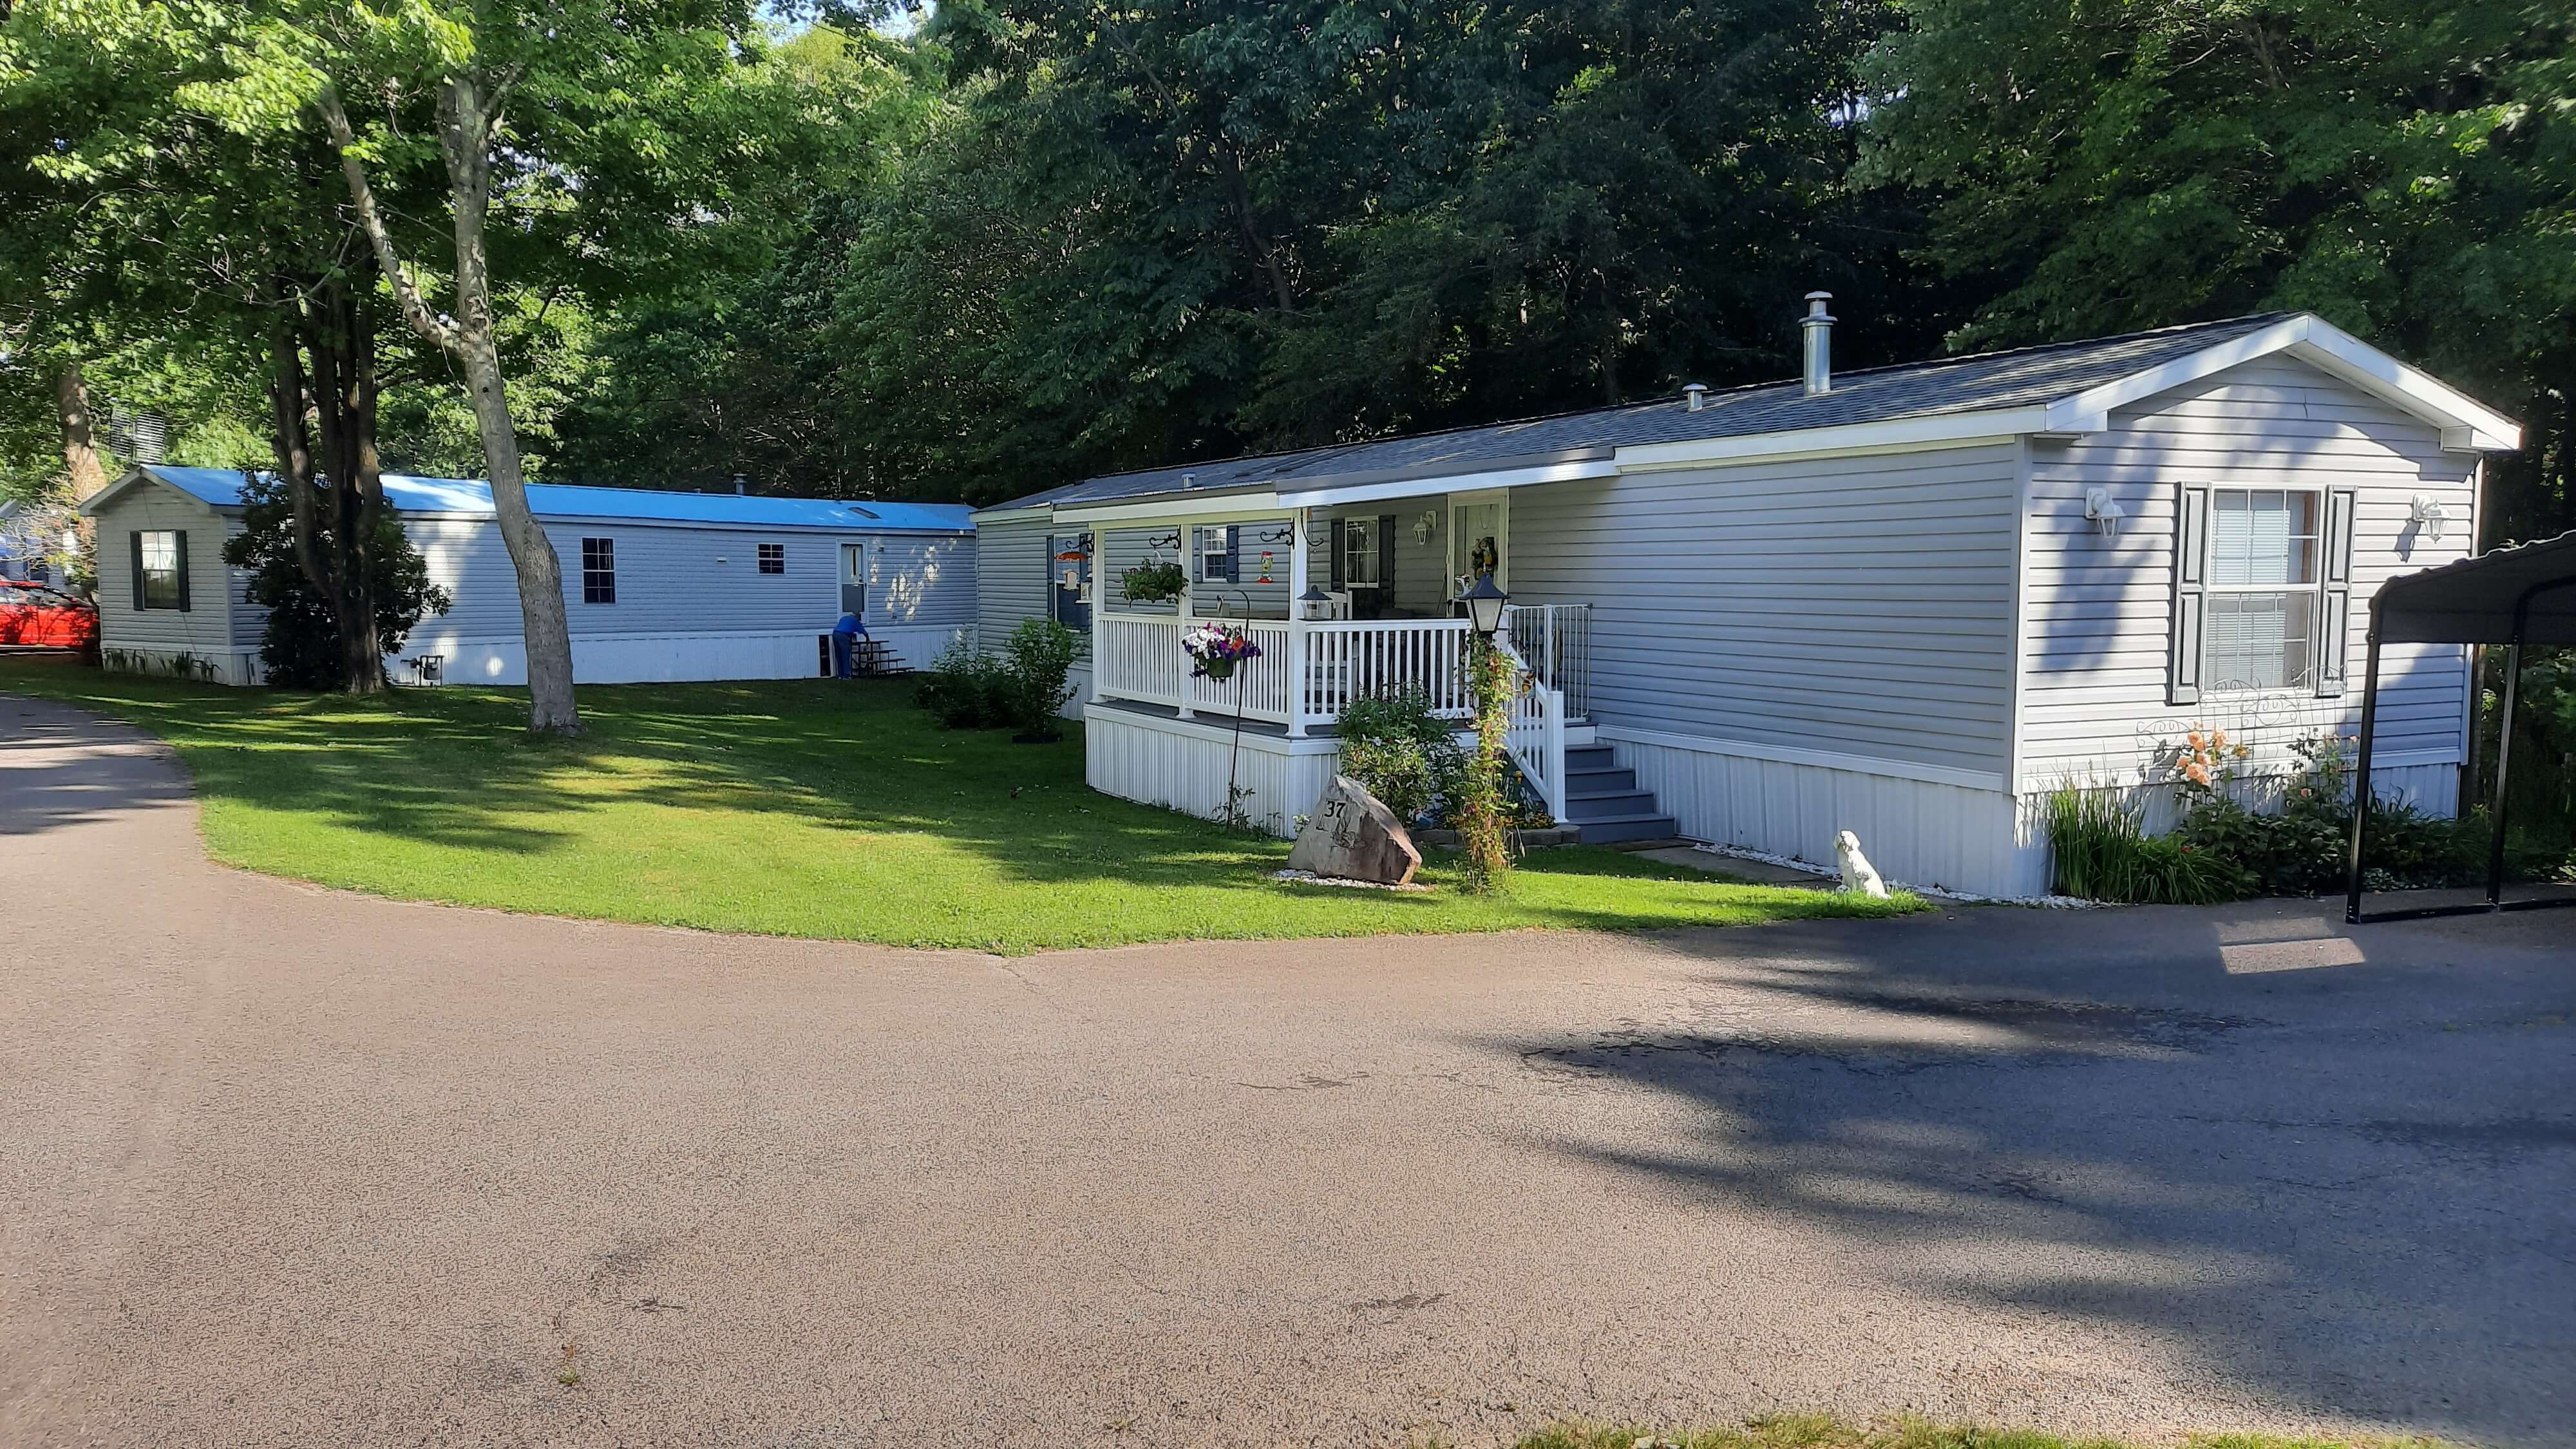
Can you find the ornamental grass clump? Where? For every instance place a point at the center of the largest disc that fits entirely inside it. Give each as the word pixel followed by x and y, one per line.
pixel 2100 851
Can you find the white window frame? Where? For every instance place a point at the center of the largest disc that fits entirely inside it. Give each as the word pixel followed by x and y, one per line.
pixel 2298 674
pixel 592 574
pixel 167 571
pixel 763 555
pixel 1353 551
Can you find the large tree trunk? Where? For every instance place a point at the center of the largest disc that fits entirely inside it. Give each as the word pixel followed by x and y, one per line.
pixel 81 466
pixel 465 136
pixel 342 345
pixel 468 114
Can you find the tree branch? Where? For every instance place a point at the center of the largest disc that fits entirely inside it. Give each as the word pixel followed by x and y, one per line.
pixel 415 307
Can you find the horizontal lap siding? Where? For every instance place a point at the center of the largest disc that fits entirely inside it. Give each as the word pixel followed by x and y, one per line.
pixel 1011 577
pixel 703 580
pixel 1121 549
pixel 205 628
pixel 1860 606
pixel 917 581
pixel 2097 611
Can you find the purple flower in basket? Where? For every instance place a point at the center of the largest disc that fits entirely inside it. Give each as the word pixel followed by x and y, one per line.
pixel 1218 649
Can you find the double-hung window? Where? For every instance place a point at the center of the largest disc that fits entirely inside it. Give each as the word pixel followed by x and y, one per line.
pixel 599 571
pixel 1363 565
pixel 773 558
pixel 1218 550
pixel 2263 591
pixel 160 569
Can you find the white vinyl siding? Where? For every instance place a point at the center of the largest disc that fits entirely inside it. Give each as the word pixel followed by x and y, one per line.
pixel 2096 611
pixel 205 627
pixel 1012 576
pixel 1857 606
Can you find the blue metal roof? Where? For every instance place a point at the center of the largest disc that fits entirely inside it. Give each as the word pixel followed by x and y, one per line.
pixel 221 488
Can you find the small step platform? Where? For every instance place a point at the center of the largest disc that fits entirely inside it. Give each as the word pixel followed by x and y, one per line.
pixel 1603 803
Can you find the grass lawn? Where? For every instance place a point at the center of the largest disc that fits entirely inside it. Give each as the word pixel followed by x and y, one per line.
pixel 1816 1431
pixel 797 808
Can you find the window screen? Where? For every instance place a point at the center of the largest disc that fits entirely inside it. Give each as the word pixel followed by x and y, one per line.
pixel 162 584
pixel 599 571
pixel 1360 562
pixel 2262 620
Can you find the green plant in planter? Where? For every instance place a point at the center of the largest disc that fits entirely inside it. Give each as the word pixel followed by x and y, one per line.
pixel 1152 583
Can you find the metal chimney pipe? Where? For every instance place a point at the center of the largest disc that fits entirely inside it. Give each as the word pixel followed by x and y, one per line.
pixel 1818 325
pixel 1695 396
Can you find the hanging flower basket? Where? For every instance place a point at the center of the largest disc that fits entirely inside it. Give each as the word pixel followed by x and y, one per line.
pixel 1218 649
pixel 1152 583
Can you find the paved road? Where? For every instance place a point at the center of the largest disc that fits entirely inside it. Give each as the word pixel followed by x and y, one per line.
pixel 283 1166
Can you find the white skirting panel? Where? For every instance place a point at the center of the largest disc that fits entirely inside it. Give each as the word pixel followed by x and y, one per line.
pixel 667 658
pixel 231 666
pixel 1181 765
pixel 1917 831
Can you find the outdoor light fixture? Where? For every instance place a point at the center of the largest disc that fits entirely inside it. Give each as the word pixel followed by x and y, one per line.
pixel 2104 510
pixel 2427 510
pixel 1485 605
pixel 1313 596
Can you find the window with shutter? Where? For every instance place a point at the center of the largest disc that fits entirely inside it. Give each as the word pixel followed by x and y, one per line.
pixel 2190 596
pixel 2262 582
pixel 160 570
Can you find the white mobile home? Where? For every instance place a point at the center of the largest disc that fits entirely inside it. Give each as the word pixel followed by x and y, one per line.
pixel 1906 601
pixel 657 585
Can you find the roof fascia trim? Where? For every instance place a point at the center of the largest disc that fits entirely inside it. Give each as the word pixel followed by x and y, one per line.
pixel 1451 483
pixel 1010 515
pixel 1208 507
pixel 1891 435
pixel 2467 424
pixel 135 477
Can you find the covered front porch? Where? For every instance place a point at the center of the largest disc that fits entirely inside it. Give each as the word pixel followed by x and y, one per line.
pixel 1345 603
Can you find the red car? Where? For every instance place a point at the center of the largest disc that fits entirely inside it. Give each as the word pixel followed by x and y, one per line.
pixel 41 614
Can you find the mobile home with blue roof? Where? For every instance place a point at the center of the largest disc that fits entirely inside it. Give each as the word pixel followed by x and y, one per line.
pixel 657 585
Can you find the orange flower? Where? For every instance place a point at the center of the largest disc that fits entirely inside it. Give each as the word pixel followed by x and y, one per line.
pixel 2196 772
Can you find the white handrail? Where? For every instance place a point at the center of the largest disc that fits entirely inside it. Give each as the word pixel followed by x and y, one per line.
pixel 1536 733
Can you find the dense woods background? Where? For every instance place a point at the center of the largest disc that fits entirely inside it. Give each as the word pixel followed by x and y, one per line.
pixel 985 249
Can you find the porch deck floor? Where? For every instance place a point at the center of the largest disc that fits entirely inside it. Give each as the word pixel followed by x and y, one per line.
pixel 1270 728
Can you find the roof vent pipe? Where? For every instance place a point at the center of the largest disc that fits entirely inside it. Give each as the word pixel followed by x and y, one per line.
pixel 1695 396
pixel 1818 324
pixel 741 483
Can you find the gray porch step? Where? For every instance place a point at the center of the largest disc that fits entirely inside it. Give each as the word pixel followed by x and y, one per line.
pixel 1595 782
pixel 1579 758
pixel 1611 830
pixel 1607 805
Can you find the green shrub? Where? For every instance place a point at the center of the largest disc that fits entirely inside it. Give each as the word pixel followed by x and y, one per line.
pixel 2100 851
pixel 1405 755
pixel 1041 653
pixel 2304 848
pixel 965 690
pixel 300 646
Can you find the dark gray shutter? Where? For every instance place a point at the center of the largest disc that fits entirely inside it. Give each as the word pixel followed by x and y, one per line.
pixel 134 541
pixel 179 540
pixel 2190 594
pixel 2334 648
pixel 1336 551
pixel 1386 556
pixel 1234 553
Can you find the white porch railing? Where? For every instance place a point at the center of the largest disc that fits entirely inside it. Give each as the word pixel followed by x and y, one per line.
pixel 1309 671
pixel 1536 733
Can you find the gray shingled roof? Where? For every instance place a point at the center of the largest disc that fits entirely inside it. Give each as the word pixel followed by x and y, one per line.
pixel 2022 377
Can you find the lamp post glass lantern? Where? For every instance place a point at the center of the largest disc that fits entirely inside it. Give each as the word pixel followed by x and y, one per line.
pixel 1484 605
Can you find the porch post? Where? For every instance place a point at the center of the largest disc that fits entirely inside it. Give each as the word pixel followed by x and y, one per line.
pixel 1099 611
pixel 1187 608
pixel 1297 625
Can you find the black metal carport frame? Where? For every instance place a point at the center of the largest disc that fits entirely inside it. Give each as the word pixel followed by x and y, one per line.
pixel 2513 597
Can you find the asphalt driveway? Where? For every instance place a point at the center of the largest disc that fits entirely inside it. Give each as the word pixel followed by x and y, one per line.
pixel 285 1166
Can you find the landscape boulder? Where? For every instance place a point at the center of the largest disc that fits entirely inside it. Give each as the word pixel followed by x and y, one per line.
pixel 1353 836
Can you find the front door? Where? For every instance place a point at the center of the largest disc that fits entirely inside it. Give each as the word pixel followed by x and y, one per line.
pixel 1479 538
pixel 854 579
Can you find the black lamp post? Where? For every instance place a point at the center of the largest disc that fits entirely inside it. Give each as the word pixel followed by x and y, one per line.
pixel 1484 606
